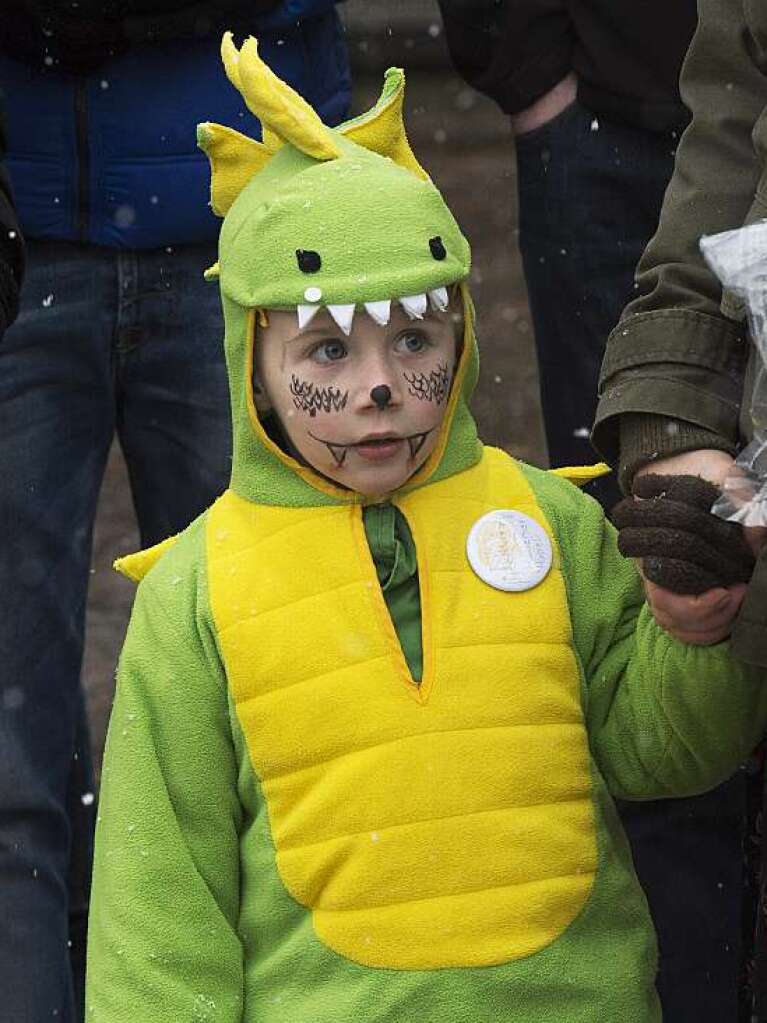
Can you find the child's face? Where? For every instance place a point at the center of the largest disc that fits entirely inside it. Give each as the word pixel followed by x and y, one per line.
pixel 363 410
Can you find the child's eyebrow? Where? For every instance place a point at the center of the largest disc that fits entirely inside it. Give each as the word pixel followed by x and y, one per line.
pixel 310 333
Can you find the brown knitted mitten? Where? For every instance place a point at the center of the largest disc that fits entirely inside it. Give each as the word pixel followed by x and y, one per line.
pixel 684 548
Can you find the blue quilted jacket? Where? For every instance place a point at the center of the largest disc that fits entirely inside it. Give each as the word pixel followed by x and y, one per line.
pixel 111 158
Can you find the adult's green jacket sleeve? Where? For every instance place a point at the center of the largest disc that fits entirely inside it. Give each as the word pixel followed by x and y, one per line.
pixel 673 374
pixel 664 718
pixel 163 944
pixel 678 351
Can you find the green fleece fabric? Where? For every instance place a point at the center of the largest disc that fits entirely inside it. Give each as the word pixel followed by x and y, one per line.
pixel 190 920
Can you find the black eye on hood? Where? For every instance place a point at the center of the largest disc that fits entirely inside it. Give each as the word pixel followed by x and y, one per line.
pixel 438 250
pixel 309 262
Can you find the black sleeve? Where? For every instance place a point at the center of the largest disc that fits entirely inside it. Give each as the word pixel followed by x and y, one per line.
pixel 11 247
pixel 172 21
pixel 78 38
pixel 512 50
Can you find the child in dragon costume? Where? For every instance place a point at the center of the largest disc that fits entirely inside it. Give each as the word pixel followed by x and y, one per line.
pixel 374 704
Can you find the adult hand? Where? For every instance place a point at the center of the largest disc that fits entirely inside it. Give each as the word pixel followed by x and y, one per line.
pixel 684 552
pixel 712 465
pixel 708 463
pixel 547 107
pixel 700 620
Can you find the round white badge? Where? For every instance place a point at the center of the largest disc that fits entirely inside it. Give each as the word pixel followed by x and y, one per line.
pixel 509 550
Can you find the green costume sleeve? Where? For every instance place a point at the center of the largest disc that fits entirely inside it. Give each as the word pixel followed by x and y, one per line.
pixel 163 944
pixel 664 718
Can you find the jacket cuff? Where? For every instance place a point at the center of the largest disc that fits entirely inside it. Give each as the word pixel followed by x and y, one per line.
pixel 672 335
pixel 678 364
pixel 645 438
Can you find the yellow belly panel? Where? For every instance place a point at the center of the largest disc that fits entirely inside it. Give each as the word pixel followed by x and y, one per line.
pixel 446 824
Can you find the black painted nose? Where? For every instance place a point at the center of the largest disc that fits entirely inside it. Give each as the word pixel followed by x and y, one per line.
pixel 381 395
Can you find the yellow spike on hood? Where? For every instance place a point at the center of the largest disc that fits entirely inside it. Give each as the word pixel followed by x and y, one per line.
pixel 382 129
pixel 279 108
pixel 272 141
pixel 285 117
pixel 234 159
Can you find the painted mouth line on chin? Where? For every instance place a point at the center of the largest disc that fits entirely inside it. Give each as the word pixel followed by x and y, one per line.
pixel 339 451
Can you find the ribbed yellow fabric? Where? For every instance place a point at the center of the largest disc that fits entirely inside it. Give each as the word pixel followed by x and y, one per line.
pixel 442 825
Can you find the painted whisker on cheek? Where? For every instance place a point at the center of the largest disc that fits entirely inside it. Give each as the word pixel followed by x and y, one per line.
pixel 416 442
pixel 338 451
pixel 433 387
pixel 308 397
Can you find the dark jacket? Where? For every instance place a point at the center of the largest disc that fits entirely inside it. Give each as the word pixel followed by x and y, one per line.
pixel 102 146
pixel 626 55
pixel 11 249
pixel 675 370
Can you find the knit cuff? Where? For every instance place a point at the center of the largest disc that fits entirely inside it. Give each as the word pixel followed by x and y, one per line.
pixel 645 438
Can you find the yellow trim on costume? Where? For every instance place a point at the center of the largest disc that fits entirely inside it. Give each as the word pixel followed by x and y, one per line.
pixel 381 612
pixel 446 827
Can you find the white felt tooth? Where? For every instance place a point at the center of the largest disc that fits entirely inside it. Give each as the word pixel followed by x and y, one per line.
pixel 379 312
pixel 343 315
pixel 306 314
pixel 439 299
pixel 414 306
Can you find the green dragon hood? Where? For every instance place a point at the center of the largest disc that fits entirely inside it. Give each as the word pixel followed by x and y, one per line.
pixel 375 229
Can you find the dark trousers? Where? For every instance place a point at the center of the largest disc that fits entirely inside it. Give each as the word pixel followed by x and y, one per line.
pixel 108 343
pixel 590 193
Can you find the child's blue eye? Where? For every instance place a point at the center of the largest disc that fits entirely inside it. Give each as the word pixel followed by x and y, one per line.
pixel 329 351
pixel 411 343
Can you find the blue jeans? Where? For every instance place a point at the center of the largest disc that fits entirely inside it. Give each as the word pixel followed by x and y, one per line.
pixel 590 192
pixel 107 342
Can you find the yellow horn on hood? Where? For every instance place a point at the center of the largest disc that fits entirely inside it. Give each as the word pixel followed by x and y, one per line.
pixel 280 109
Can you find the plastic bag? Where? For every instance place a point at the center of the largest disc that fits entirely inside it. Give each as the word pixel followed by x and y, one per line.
pixel 739 259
